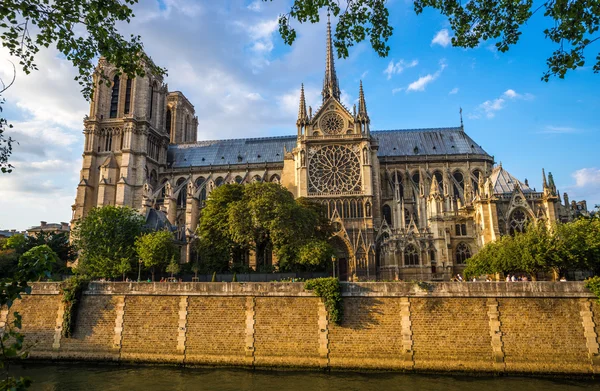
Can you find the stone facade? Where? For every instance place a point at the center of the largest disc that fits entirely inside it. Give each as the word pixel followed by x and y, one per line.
pixel 530 327
pixel 406 204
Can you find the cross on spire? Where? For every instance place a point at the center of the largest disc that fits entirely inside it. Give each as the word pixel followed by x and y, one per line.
pixel 330 83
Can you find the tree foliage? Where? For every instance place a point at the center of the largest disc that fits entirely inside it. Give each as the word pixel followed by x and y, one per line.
pixel 12 248
pixel 261 217
pixel 155 250
pixel 105 237
pixel 31 268
pixel 568 246
pixel 573 25
pixel 81 30
pixel 173 267
pixel 330 291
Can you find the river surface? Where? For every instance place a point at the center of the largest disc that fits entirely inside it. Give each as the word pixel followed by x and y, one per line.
pixel 112 378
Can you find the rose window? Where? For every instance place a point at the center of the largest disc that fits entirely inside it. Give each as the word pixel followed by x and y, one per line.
pixel 332 123
pixel 334 169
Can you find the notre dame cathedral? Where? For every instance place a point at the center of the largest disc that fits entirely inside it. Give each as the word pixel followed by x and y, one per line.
pixel 410 203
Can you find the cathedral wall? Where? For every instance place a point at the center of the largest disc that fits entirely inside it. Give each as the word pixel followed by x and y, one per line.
pixel 530 327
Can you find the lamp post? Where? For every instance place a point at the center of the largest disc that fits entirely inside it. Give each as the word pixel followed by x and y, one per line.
pixel 333 264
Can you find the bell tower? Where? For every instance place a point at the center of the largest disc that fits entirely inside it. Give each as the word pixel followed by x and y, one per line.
pixel 125 140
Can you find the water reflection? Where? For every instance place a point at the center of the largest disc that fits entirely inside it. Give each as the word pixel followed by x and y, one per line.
pixel 113 378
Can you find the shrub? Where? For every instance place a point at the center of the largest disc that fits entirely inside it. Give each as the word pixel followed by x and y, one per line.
pixel 330 291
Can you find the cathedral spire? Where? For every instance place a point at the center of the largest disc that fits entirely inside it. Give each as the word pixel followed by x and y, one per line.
pixel 544 183
pixel 302 116
pixel 330 83
pixel 362 105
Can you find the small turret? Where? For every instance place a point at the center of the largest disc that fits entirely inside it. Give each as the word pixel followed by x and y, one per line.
pixel 302 115
pixel 362 117
pixel 551 184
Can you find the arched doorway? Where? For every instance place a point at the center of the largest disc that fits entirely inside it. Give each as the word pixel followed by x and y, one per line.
pixel 342 254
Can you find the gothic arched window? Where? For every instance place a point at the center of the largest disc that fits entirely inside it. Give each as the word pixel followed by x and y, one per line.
pixel 463 252
pixel 187 128
pixel 164 188
pixel 168 122
pixel 406 217
pixel 275 178
pixel 182 197
pixel 218 181
pixel 151 100
pixel 411 256
pixel 256 178
pixel 396 182
pixel 368 209
pixel 238 179
pixel 114 97
pixel 128 96
pixel 517 221
pixel 460 188
pixel 153 179
pixel 387 214
pixel 477 175
pixel 440 180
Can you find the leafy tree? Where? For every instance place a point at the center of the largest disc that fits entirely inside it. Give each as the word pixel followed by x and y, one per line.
pixel 570 246
pixel 39 254
pixel 124 267
pixel 16 242
pixel 315 255
pixel 578 246
pixel 57 241
pixel 81 30
pixel 262 217
pixel 11 288
pixel 575 25
pixel 215 245
pixel 105 237
pixel 155 250
pixel 173 267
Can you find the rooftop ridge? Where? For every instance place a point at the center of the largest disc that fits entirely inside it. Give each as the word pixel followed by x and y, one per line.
pixel 451 128
pixel 291 136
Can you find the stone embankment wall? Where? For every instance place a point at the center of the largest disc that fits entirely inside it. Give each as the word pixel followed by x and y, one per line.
pixel 533 327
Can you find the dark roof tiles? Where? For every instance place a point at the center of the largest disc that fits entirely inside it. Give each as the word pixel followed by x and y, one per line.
pixel 409 142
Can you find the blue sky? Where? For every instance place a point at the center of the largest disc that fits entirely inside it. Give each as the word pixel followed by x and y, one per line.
pixel 229 60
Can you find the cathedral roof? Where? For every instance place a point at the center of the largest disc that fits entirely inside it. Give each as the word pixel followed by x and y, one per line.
pixel 407 142
pixel 434 141
pixel 504 182
pixel 233 151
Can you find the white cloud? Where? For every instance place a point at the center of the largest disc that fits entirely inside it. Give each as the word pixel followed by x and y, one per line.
pixel 421 83
pixel 397 90
pixel 453 91
pixel 398 67
pixel 586 187
pixel 254 6
pixel 550 129
pixel 587 177
pixel 442 38
pixel 364 74
pixel 489 108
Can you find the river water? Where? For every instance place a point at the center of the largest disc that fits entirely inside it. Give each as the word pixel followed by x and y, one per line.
pixel 112 378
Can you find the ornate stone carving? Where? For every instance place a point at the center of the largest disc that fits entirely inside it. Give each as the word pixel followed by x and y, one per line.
pixel 334 169
pixel 332 123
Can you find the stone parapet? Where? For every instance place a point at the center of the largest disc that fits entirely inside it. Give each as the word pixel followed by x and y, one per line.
pixel 349 289
pixel 532 327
